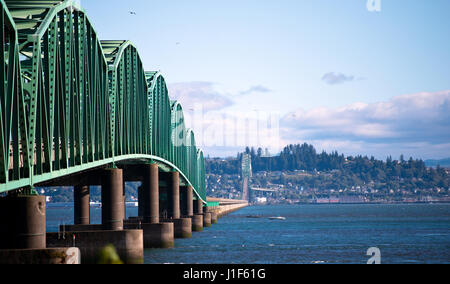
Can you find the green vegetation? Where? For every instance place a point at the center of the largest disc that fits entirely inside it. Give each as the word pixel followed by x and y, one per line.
pixel 108 255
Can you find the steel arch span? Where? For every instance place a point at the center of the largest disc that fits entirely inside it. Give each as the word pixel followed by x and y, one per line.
pixel 71 102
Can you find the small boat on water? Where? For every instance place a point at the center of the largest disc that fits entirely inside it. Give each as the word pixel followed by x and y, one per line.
pixel 253 216
pixel 95 204
pixel 277 218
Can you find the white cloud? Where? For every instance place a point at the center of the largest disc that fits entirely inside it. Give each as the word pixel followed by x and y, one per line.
pixel 415 124
pixel 336 78
pixel 256 89
pixel 226 133
pixel 220 131
pixel 192 94
pixel 418 121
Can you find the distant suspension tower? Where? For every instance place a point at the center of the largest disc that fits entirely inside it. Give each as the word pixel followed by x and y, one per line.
pixel 246 176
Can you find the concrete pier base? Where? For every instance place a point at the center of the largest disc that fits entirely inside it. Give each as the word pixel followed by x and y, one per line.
pixel 159 235
pixel 129 244
pixel 41 256
pixel 207 219
pixel 182 227
pixel 197 223
pixel 155 235
pixel 214 217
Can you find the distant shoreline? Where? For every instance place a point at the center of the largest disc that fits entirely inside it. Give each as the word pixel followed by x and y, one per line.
pixel 358 203
pixel 318 204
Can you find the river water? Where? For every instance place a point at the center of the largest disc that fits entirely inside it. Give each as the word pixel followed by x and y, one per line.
pixel 417 233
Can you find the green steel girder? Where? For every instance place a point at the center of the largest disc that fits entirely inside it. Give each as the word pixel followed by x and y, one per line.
pixel 14 163
pixel 70 102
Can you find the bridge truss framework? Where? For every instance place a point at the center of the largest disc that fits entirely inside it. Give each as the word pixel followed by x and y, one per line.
pixel 71 102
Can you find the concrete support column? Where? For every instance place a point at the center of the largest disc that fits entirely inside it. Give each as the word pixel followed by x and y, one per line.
pixel 23 222
pixel 188 208
pixel 124 197
pixel 81 201
pixel 197 223
pixel 183 195
pixel 150 194
pixel 174 195
pixel 140 202
pixel 198 206
pixel 112 199
pixel 213 217
pixel 197 219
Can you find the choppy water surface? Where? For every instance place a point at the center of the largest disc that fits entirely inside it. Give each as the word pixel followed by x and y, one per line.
pixel 310 234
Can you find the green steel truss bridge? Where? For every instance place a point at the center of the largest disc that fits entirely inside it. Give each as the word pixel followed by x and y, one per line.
pixel 71 102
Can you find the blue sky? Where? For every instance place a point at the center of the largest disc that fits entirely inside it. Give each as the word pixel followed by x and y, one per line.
pixel 312 62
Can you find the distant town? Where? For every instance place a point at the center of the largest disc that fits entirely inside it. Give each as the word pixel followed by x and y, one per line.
pixel 268 188
pixel 300 175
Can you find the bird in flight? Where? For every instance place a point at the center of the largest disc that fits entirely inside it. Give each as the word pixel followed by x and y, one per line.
pixel 132 13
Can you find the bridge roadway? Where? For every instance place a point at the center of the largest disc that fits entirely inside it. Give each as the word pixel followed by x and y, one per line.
pixel 78 111
pixel 221 206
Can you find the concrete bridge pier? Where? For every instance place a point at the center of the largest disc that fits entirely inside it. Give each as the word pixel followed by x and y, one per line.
pixel 187 209
pixel 23 233
pixel 206 218
pixel 124 198
pixel 174 195
pixel 81 200
pixel 198 206
pixel 92 238
pixel 112 199
pixel 150 194
pixel 214 217
pixel 182 226
pixel 22 222
pixel 197 219
pixel 156 234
